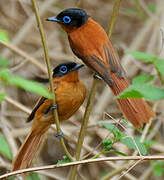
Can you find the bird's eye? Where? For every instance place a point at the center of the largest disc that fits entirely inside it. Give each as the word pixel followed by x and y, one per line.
pixel 66 19
pixel 63 69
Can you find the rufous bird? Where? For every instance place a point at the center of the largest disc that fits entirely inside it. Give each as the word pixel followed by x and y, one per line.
pixel 70 94
pixel 91 44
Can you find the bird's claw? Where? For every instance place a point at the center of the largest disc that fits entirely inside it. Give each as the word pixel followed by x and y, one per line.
pixel 60 135
pixel 54 107
pixel 51 108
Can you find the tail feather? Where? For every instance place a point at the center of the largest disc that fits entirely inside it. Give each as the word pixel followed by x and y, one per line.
pixel 27 150
pixel 137 111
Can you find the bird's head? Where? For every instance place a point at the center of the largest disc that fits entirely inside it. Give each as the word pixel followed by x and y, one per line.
pixel 70 18
pixel 68 70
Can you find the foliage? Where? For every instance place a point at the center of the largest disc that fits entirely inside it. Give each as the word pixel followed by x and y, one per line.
pixel 125 139
pixel 4 62
pixel 6 78
pixel 152 8
pixel 33 176
pixel 65 160
pixel 4 148
pixel 158 168
pixel 4 35
pixel 140 87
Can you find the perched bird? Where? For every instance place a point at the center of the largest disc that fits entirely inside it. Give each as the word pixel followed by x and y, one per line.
pixel 90 43
pixel 70 94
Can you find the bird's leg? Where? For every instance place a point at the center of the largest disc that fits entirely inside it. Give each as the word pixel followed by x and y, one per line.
pixel 97 76
pixel 51 108
pixel 54 107
pixel 60 135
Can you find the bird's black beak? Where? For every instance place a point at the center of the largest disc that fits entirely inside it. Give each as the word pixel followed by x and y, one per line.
pixel 53 19
pixel 78 66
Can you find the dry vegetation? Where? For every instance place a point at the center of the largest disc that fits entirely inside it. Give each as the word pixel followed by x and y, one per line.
pixel 134 30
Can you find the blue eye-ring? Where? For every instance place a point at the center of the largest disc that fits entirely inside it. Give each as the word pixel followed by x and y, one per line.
pixel 63 69
pixel 66 19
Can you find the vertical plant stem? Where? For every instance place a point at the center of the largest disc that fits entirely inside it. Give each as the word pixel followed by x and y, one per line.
pixel 159 76
pixel 84 126
pixel 113 16
pixel 56 118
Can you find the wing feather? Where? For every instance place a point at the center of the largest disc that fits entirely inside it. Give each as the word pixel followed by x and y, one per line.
pixel 38 104
pixel 40 101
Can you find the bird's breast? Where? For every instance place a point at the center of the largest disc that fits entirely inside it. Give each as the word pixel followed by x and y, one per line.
pixel 69 97
pixel 89 39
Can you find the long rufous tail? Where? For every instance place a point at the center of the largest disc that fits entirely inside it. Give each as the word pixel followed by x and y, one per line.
pixel 28 149
pixel 137 111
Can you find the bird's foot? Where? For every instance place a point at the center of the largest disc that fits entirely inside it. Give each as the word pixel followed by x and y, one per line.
pixel 51 108
pixel 54 107
pixel 60 135
pixel 97 76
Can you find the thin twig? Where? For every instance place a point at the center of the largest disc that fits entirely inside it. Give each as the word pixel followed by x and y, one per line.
pixel 141 13
pixel 24 55
pixel 146 173
pixel 26 28
pixel 94 152
pixel 144 7
pixel 115 12
pixel 129 164
pixel 143 158
pixel 56 118
pixel 6 130
pixel 130 168
pixel 126 60
pixel 17 105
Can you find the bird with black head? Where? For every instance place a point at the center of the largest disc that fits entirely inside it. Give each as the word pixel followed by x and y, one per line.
pixel 70 94
pixel 91 44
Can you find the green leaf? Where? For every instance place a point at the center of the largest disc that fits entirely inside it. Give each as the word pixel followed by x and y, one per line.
pixel 142 79
pixel 28 85
pixel 150 92
pixel 10 178
pixel 33 176
pixel 65 160
pixel 146 91
pixel 4 148
pixel 5 75
pixel 112 128
pixel 4 62
pixel 130 11
pixel 140 89
pixel 148 143
pixel 124 121
pixel 128 141
pixel 158 168
pixel 143 56
pixel 130 93
pixel 117 152
pixel 107 143
pixel 4 35
pixel 31 86
pixel 152 8
pixel 2 95
pixel 160 66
